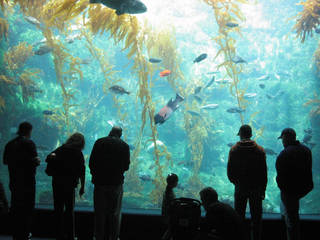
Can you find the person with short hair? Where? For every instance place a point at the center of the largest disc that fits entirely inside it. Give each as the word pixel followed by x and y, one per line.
pixel 294 179
pixel 109 159
pixel 222 222
pixel 168 196
pixel 247 170
pixel 20 154
pixel 66 165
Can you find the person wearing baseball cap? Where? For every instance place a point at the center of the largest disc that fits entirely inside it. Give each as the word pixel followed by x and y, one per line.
pixel 294 179
pixel 247 170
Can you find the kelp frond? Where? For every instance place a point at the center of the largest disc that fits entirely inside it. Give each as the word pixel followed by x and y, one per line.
pixel 16 56
pixel 31 7
pixel 4 29
pixel 316 57
pixel 2 104
pixel 27 83
pixel 307 20
pixel 7 80
pixel 315 103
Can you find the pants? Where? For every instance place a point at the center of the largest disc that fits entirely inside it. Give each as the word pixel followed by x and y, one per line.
pixel 241 198
pixel 64 200
pixel 107 209
pixel 290 210
pixel 21 210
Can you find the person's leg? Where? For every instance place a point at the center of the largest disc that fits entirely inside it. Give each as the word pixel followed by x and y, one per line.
pixel 69 212
pixel 100 199
pixel 291 216
pixel 114 208
pixel 240 203
pixel 58 203
pixel 255 203
pixel 30 195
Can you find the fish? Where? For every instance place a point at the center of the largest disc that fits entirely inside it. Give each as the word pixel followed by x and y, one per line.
pixel 249 95
pixel 145 177
pixel 210 82
pixel 230 144
pixel 32 20
pixel 165 73
pixel 151 146
pixel 269 96
pixel 199 99
pixel 193 113
pixel 317 30
pixel 48 112
pixel 43 49
pixel 118 90
pixel 197 90
pixel 263 77
pixel 123 6
pixel 210 106
pixel 213 72
pixel 200 58
pixel 235 110
pixel 269 151
pixel 41 42
pixel 262 86
pixel 238 59
pixel 308 130
pixel 232 24
pixel 306 139
pixel 72 38
pixel 85 61
pixel 224 81
pixel 155 60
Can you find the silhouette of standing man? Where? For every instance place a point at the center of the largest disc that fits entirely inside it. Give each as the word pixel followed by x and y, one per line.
pixel 21 156
pixel 247 170
pixel 294 178
pixel 110 158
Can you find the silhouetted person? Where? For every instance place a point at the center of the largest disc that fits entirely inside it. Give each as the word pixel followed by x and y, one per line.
pixel 294 178
pixel 168 196
pixel 21 156
pixel 247 170
pixel 66 165
pixel 222 222
pixel 110 158
pixel 4 207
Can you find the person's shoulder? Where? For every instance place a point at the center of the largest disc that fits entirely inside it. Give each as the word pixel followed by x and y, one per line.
pixel 261 149
pixel 235 147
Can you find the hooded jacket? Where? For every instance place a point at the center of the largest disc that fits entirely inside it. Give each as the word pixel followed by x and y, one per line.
pixel 247 167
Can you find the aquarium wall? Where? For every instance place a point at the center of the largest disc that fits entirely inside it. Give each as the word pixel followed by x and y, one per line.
pixel 71 66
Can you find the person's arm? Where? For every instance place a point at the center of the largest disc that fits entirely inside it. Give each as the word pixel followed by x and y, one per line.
pixel 126 158
pixel 280 171
pixel 93 158
pixel 230 167
pixel 32 151
pixel 6 155
pixel 264 175
pixel 82 175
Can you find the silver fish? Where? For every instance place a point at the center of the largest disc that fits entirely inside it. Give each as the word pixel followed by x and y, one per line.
pixel 210 106
pixel 235 110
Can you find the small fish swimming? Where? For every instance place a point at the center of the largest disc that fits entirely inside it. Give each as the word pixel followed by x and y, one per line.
pixel 43 49
pixel 263 77
pixel 151 146
pixel 249 95
pixel 210 82
pixel 269 151
pixel 269 96
pixel 123 6
pixel 85 61
pixel 145 177
pixel 199 99
pixel 118 90
pixel 232 24
pixel 155 60
pixel 72 38
pixel 213 72
pixel 317 30
pixel 224 81
pixel 210 106
pixel 41 42
pixel 193 113
pixel 238 59
pixel 165 73
pixel 235 110
pixel 32 20
pixel 48 112
pixel 200 58
pixel 197 90
pixel 262 86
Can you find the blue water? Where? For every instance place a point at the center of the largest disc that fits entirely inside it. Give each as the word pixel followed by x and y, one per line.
pixel 267 43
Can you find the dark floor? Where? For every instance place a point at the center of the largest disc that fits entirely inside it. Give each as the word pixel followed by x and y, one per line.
pixel 138 226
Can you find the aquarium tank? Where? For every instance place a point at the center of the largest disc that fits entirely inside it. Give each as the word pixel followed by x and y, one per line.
pixel 74 66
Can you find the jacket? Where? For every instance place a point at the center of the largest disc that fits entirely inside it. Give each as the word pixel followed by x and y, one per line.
pixel 247 167
pixel 109 159
pixel 294 170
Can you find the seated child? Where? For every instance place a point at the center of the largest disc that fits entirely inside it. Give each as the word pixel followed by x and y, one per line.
pixel 168 196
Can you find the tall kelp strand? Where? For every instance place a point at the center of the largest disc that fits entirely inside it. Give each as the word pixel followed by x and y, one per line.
pixel 4 29
pixel 16 56
pixel 226 13
pixel 307 20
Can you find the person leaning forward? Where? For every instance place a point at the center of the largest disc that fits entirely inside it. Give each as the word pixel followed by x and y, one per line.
pixel 247 170
pixel 109 159
pixel 294 179
pixel 21 156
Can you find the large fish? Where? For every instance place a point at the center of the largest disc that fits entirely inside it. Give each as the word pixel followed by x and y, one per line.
pixel 200 58
pixel 235 110
pixel 43 49
pixel 168 109
pixel 210 106
pixel 118 90
pixel 123 6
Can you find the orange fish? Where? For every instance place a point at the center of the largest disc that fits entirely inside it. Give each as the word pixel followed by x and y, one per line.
pixel 165 73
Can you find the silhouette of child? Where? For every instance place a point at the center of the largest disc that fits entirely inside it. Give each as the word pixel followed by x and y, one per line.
pixel 168 196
